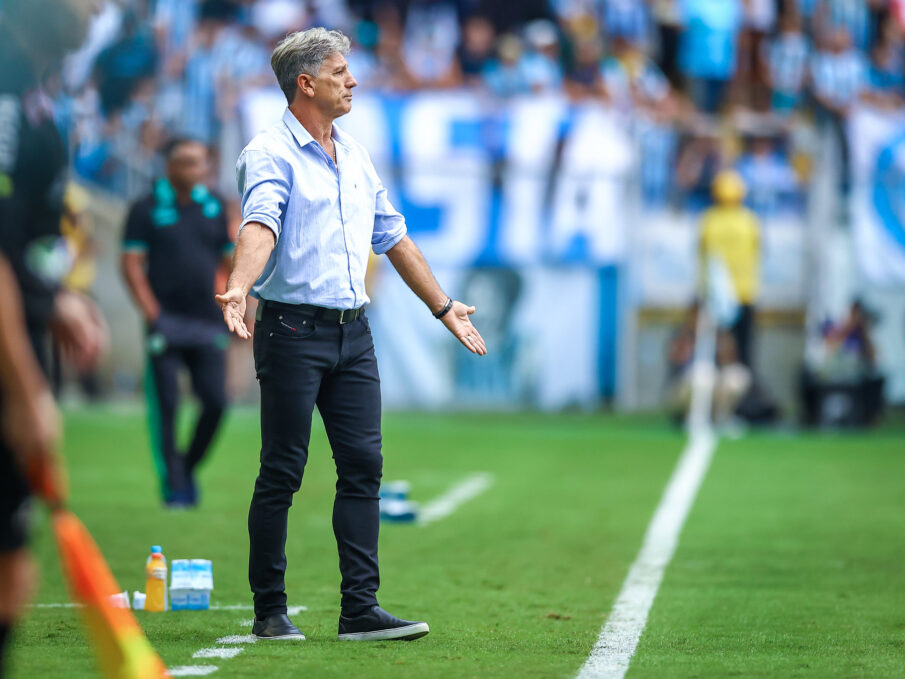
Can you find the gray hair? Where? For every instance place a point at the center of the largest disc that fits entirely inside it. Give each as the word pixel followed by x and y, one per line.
pixel 304 52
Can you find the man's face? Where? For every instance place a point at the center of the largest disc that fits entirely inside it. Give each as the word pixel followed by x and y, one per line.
pixel 188 165
pixel 333 86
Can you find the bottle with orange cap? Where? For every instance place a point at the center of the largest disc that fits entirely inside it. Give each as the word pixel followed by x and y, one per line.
pixel 156 581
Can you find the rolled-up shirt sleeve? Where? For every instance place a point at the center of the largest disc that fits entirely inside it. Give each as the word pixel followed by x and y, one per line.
pixel 389 224
pixel 264 186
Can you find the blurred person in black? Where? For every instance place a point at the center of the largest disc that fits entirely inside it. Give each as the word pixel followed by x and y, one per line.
pixel 174 242
pixel 32 179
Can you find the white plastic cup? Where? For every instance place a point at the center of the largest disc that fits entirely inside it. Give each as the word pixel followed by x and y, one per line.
pixel 120 600
pixel 138 601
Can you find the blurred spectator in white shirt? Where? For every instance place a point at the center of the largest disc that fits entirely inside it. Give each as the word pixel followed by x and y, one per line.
pixel 839 75
pixel 785 62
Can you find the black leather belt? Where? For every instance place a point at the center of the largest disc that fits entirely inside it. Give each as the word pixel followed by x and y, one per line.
pixel 338 316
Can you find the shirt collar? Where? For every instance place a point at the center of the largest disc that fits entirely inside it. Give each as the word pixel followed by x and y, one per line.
pixel 303 136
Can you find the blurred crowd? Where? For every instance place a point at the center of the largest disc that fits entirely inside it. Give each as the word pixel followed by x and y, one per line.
pixel 706 83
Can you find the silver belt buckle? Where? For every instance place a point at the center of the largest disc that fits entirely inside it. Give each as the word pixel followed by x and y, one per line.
pixel 342 316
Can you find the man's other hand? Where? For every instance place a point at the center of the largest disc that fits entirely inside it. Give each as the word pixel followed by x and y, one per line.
pixel 232 302
pixel 456 319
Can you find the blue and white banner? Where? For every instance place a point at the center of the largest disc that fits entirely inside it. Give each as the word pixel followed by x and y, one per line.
pixel 877 139
pixel 534 182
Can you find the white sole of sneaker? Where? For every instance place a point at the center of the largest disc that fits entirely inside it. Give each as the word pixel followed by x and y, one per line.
pixel 407 633
pixel 283 637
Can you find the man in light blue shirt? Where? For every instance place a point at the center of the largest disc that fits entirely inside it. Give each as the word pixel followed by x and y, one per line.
pixel 313 208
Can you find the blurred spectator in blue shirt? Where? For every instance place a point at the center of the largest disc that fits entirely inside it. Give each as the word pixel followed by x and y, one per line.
pixel 174 21
pixel 851 15
pixel 708 48
pixel 806 8
pixel 886 73
pixel 541 61
pixel 839 73
pixel 506 75
pixel 785 60
pixel 632 80
pixel 700 161
pixel 629 19
pixel 636 85
pixel 121 68
pixel 771 181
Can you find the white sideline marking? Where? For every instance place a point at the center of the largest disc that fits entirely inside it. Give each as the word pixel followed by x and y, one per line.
pixel 238 639
pixel 456 496
pixel 66 605
pixel 228 652
pixel 291 610
pixel 192 670
pixel 619 637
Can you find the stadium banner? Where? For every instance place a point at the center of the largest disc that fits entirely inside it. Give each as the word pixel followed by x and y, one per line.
pixel 521 209
pixel 878 209
pixel 877 140
pixel 527 182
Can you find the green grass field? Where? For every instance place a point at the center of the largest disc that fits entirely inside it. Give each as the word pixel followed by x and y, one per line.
pixel 792 562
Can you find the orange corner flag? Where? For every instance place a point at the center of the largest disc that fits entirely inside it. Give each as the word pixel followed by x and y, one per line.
pixel 121 646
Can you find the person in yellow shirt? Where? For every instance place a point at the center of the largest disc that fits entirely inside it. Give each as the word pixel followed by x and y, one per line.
pixel 731 232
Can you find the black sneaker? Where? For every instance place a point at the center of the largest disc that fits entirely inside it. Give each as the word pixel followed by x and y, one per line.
pixel 376 624
pixel 277 628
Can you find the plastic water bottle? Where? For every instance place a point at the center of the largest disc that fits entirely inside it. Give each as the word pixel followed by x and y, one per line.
pixel 156 581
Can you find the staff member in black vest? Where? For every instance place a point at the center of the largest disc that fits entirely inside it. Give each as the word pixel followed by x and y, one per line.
pixel 313 207
pixel 174 242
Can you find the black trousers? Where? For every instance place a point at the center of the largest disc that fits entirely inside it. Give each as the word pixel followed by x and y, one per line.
pixel 743 333
pixel 302 361
pixel 206 364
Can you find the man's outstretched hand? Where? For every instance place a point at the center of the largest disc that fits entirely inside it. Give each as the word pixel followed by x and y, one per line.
pixel 232 302
pixel 456 319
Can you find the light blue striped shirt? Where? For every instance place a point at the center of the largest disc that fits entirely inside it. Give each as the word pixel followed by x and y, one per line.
pixel 326 218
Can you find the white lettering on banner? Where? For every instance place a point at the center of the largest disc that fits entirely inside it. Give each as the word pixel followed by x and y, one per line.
pixel 436 172
pixel 442 180
pixel 591 185
pixel 534 127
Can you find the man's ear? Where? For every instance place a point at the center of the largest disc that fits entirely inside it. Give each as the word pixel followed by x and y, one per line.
pixel 305 84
